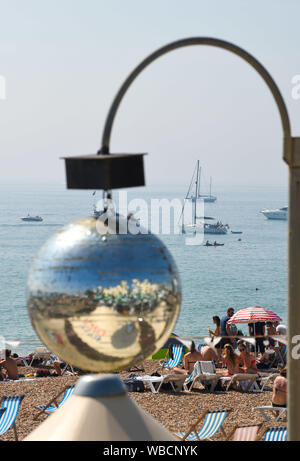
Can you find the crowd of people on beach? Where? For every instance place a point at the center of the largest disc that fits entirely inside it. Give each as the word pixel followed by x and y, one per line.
pixel 233 354
pixel 9 367
pixel 230 350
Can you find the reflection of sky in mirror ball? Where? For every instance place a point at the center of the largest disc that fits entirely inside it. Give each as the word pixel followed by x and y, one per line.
pixel 103 304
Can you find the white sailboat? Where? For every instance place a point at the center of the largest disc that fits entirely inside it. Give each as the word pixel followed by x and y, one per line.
pixel 207 198
pixel 201 226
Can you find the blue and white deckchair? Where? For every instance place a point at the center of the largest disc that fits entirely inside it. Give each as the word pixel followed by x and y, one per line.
pixel 276 434
pixel 212 423
pixel 174 362
pixel 205 372
pixel 49 408
pixel 10 405
pixel 188 383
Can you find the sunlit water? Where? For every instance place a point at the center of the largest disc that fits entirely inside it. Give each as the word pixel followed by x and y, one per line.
pixel 243 273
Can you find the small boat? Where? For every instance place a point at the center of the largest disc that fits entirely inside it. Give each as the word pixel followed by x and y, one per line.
pixel 218 228
pixel 215 244
pixel 236 232
pixel 29 218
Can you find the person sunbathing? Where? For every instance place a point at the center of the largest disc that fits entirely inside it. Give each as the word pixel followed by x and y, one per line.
pixel 231 360
pixel 10 366
pixel 246 360
pixel 279 397
pixel 208 354
pixel 58 364
pixel 189 361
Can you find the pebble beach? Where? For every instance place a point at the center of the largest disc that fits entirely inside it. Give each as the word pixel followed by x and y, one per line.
pixel 175 411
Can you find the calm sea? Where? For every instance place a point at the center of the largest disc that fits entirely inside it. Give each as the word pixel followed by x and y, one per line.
pixel 243 273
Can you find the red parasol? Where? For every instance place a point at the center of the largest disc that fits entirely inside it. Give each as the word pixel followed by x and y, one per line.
pixel 253 315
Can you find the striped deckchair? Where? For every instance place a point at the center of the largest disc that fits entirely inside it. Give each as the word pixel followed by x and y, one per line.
pixel 49 408
pixel 246 433
pixel 205 372
pixel 173 362
pixel 10 405
pixel 212 423
pixel 192 378
pixel 276 434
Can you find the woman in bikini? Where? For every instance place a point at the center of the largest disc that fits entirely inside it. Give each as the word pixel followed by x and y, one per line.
pixel 279 397
pixel 231 360
pixel 246 360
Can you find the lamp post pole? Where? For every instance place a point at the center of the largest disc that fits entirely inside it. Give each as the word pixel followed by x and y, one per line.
pixel 293 362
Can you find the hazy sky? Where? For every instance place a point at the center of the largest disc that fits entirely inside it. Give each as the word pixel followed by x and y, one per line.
pixel 64 60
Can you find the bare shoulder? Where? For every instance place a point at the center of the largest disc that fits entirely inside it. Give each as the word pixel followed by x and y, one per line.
pixel 281 380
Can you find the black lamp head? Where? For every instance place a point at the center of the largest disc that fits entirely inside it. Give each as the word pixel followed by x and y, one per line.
pixel 105 171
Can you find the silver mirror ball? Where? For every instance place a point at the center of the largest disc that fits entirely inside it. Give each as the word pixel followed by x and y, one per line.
pixel 103 301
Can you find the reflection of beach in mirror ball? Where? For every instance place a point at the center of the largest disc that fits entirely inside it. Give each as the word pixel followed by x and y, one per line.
pixel 103 304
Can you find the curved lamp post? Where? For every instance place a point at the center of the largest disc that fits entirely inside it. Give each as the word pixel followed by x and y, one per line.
pixel 111 171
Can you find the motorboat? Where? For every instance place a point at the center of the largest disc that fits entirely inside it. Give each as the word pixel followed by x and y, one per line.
pixel 279 213
pixel 29 218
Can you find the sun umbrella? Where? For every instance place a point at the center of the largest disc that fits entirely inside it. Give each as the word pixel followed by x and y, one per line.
pixel 253 315
pixel 100 410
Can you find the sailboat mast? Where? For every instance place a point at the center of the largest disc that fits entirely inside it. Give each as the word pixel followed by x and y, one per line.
pixel 196 192
pixel 182 219
pixel 199 181
pixel 210 188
